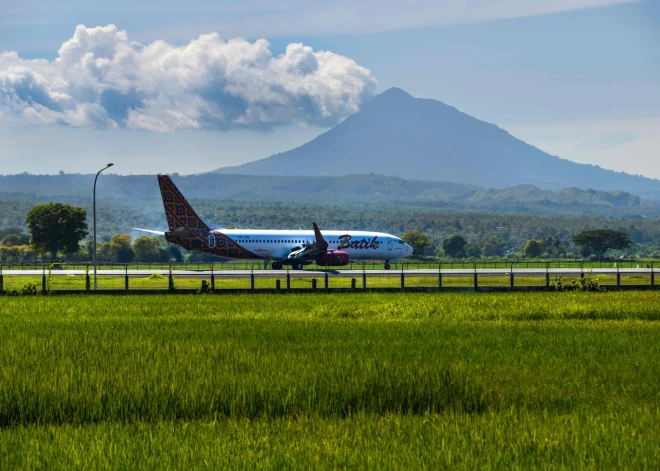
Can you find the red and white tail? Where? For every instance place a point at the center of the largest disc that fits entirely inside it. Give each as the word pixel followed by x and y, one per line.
pixel 320 240
pixel 179 213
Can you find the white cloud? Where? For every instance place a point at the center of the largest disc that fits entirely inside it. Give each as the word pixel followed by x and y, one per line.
pixel 101 79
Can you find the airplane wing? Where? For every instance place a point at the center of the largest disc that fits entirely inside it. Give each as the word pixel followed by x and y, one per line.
pixel 311 251
pixel 149 231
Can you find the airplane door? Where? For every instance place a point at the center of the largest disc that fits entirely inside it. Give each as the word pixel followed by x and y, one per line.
pixel 389 244
pixel 211 240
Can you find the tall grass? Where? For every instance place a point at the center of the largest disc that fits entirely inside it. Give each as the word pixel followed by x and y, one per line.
pixel 308 380
pixel 507 440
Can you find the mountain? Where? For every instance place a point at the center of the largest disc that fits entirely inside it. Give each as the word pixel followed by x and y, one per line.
pixel 342 191
pixel 397 135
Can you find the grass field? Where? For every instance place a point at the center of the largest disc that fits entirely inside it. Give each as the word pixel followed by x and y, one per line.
pixel 519 380
pixel 160 282
pixel 353 265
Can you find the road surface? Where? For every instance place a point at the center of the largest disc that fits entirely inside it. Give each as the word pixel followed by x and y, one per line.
pixel 341 273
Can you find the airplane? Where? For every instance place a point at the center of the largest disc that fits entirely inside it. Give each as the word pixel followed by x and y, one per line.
pixel 295 248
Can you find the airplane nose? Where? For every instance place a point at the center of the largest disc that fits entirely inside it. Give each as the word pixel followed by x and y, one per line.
pixel 409 249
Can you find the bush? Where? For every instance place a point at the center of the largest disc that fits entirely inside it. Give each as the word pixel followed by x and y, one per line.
pixel 28 289
pixel 557 284
pixel 587 283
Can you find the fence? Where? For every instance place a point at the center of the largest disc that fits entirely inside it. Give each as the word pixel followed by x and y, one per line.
pixel 353 265
pixel 437 280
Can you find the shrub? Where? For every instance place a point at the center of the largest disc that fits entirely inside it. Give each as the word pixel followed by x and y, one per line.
pixel 587 283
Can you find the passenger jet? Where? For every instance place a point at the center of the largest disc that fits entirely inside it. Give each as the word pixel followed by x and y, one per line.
pixel 292 248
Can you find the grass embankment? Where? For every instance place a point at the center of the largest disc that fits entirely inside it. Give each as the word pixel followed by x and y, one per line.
pixel 508 380
pixel 160 282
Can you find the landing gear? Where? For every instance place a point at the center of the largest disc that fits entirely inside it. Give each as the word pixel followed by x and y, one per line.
pixel 297 265
pixel 387 265
pixel 277 265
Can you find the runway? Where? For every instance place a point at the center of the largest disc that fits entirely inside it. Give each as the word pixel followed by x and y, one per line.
pixel 341 273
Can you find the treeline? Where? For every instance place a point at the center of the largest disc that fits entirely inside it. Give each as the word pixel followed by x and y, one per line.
pixel 120 249
pixel 481 230
pixel 349 190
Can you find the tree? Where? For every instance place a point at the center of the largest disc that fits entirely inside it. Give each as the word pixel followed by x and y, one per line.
pixel 533 248
pixel 602 240
pixel 473 250
pixel 492 246
pixel 149 249
pixel 103 252
pixel 454 246
pixel 418 240
pixel 13 240
pixel 552 243
pixel 175 252
pixel 56 227
pixel 120 247
pixel 10 231
pixel 146 249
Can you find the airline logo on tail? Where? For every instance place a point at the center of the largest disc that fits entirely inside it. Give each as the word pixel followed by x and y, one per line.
pixel 188 230
pixel 179 213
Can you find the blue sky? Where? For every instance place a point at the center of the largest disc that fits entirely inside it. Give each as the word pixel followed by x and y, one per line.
pixel 579 78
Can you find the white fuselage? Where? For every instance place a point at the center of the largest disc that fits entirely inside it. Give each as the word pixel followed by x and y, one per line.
pixel 360 245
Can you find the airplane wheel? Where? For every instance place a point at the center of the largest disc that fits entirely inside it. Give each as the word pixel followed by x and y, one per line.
pixel 277 265
pixel 387 266
pixel 297 265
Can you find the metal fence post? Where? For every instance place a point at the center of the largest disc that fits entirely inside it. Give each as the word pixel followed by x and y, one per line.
pixel 126 278
pixel 403 280
pixel 511 277
pixel 277 285
pixel 364 280
pixel 43 281
pixel 326 281
pixel 212 279
pixel 476 282
pixel 288 280
pixel 618 278
pixel 252 280
pixel 547 277
pixel 313 284
pixel 652 276
pixel 353 284
pixel 440 276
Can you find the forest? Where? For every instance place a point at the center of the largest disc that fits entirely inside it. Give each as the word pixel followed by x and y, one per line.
pixel 349 190
pixel 493 222
pixel 481 229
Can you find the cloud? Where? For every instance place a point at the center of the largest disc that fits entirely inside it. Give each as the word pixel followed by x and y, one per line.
pixel 101 79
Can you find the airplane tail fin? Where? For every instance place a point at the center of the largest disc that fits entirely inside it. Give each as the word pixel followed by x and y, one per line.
pixel 320 241
pixel 180 214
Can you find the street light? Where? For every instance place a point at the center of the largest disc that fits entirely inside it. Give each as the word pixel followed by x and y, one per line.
pixel 94 211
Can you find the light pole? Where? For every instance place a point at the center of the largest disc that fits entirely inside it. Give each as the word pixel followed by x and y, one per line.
pixel 94 211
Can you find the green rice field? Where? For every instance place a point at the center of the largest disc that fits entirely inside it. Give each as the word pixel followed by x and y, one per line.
pixel 368 381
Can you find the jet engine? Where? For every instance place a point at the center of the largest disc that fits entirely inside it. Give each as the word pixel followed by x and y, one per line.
pixel 333 258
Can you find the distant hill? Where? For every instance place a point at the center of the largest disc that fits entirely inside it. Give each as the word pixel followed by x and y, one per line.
pixel 422 139
pixel 351 190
